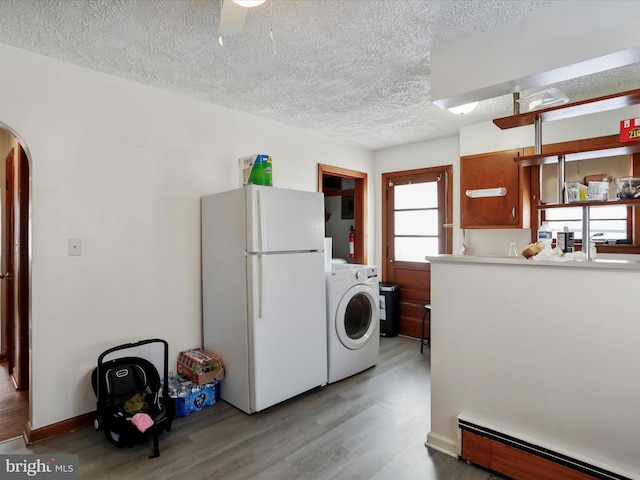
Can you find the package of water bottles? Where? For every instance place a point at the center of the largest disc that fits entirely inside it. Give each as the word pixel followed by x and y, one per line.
pixel 190 397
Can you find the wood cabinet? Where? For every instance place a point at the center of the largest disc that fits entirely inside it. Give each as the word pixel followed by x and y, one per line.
pixel 489 171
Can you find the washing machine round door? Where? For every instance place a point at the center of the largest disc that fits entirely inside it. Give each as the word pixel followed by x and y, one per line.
pixel 356 317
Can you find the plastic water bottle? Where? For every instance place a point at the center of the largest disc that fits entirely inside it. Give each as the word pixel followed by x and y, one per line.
pixel 545 236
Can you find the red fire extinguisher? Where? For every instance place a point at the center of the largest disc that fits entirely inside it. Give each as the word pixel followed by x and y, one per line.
pixel 352 242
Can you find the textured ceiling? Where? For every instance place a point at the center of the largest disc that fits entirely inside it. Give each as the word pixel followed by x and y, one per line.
pixel 356 70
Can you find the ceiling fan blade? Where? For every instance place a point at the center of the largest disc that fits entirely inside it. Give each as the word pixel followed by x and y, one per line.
pixel 232 18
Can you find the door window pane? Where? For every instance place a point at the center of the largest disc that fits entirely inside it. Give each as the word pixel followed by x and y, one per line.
pixel 416 195
pixel 414 249
pixel 416 222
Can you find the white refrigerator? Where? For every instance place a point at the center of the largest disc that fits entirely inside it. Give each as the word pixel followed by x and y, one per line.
pixel 263 289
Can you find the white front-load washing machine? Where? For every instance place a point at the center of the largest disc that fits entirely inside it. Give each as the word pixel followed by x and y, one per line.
pixel 353 319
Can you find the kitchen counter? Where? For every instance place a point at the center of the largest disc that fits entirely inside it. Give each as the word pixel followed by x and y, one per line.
pixel 548 351
pixel 604 263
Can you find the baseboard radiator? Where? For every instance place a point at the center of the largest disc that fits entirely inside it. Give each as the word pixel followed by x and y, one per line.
pixel 521 460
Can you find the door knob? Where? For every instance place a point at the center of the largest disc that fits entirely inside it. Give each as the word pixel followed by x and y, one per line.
pixel 6 275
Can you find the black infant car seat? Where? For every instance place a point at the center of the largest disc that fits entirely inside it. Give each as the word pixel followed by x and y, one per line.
pixel 130 392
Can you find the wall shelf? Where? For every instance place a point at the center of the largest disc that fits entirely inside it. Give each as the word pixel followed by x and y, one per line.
pixel 608 203
pixel 601 151
pixel 569 110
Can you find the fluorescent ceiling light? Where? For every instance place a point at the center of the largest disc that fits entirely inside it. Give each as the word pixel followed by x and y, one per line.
pixel 249 3
pixel 542 99
pixel 463 109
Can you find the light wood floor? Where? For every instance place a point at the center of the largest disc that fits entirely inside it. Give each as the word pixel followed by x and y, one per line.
pixel 14 406
pixel 370 426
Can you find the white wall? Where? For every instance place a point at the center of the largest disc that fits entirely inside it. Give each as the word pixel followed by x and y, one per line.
pixel 123 167
pixel 539 351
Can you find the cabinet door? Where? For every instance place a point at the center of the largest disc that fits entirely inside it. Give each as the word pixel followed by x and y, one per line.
pixel 492 170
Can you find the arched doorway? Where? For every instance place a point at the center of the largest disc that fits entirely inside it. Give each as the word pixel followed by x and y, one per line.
pixel 14 285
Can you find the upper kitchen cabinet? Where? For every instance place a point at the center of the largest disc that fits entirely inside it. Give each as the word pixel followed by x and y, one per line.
pixel 494 191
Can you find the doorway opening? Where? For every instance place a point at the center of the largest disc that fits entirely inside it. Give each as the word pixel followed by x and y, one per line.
pixel 345 193
pixel 14 285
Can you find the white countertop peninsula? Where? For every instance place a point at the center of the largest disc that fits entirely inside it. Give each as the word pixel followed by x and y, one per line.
pixel 548 351
pixel 609 262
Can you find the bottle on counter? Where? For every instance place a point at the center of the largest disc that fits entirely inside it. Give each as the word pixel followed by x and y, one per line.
pixel 545 235
pixel 565 242
pixel 512 250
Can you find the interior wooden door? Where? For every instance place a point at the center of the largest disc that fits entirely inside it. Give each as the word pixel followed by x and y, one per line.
pixel 15 284
pixel 417 206
pixel 7 264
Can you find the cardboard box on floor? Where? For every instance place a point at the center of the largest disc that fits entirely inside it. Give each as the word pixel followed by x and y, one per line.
pixel 200 366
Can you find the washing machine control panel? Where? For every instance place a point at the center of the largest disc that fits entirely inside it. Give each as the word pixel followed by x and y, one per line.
pixel 354 273
pixel 363 274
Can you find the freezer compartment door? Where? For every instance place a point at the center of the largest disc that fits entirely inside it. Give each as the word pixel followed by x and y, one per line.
pixel 288 326
pixel 281 220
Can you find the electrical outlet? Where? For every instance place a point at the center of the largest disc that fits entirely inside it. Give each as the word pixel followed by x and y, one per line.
pixel 75 247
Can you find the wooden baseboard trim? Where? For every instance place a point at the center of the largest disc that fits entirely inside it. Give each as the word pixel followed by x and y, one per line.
pixel 31 436
pixel 519 459
pixel 515 463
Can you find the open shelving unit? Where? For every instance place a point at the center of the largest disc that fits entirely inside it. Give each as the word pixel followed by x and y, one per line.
pixel 570 110
pixel 611 150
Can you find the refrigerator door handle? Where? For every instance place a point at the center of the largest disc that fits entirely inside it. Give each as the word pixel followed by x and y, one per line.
pixel 261 223
pixel 260 285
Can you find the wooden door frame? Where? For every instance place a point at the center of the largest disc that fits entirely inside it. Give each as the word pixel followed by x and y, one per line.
pixel 22 268
pixel 414 277
pixel 360 211
pixel 448 169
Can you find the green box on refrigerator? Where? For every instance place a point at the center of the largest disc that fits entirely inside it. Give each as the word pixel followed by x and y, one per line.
pixel 256 170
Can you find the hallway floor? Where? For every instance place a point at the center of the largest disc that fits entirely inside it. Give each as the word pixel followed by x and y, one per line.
pixel 14 406
pixel 371 426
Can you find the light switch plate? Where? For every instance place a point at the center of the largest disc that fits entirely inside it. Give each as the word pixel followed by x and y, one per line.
pixel 75 247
